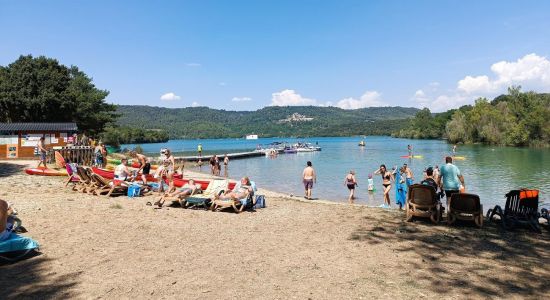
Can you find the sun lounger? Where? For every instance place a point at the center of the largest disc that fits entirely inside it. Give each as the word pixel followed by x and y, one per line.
pixel 238 205
pixel 521 208
pixel 465 206
pixel 215 187
pixel 84 174
pixel 73 178
pixel 107 187
pixel 422 202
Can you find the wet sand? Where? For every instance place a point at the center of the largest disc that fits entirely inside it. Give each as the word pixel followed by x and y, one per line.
pixel 98 247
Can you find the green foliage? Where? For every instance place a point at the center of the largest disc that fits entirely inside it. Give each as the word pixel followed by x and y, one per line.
pixel 425 125
pixel 42 90
pixel 126 135
pixel 203 122
pixel 515 119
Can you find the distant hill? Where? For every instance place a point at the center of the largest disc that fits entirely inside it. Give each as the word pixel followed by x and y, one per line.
pixel 271 121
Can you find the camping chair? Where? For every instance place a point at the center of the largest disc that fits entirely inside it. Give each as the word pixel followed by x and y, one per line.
pixel 422 201
pixel 107 187
pixel 216 187
pixel 238 205
pixel 521 208
pixel 73 178
pixel 465 206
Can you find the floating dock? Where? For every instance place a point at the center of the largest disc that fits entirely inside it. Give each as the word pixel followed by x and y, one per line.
pixel 221 156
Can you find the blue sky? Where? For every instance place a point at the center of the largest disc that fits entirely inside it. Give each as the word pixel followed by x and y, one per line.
pixel 245 55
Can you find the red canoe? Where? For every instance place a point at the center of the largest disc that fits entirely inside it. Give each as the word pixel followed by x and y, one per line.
pixel 178 182
pixel 45 172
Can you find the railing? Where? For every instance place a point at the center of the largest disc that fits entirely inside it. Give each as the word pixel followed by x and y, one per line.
pixel 82 155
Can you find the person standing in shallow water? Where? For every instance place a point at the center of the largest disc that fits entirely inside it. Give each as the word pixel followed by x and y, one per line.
pixel 387 178
pixel 308 178
pixel 350 182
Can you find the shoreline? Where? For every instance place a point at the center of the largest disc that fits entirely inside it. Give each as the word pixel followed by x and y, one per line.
pixel 99 247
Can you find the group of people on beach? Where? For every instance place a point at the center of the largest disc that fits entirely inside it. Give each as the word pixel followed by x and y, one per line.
pixel 446 181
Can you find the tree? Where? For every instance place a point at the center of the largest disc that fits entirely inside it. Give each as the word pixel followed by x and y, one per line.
pixel 43 90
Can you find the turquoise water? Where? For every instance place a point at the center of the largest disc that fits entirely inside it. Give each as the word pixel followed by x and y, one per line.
pixel 488 171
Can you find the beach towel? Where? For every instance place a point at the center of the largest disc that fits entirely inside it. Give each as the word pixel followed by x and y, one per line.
pixel 400 189
pixel 16 247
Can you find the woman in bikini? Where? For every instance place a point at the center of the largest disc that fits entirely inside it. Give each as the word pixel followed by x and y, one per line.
pixel 387 178
pixel 350 182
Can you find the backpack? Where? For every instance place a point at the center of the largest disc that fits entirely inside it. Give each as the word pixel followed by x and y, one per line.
pixel 260 202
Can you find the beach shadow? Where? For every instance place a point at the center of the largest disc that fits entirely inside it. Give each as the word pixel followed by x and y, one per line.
pixel 462 259
pixel 31 279
pixel 8 169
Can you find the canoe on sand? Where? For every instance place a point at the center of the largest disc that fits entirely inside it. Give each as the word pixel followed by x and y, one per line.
pixel 46 172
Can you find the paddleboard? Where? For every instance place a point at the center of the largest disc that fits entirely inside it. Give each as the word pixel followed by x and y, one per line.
pixel 46 172
pixel 414 156
pixel 459 157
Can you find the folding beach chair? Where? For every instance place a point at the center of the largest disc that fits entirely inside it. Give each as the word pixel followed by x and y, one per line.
pixel 465 206
pixel 521 208
pixel 422 201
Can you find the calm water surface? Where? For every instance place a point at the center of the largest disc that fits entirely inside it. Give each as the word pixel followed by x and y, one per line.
pixel 489 171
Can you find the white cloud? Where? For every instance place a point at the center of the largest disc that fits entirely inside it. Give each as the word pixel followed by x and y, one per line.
pixel 193 64
pixel 170 97
pixel 531 72
pixel 368 99
pixel 195 104
pixel 290 98
pixel 241 99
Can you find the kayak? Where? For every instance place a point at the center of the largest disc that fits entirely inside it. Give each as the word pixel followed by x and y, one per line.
pixel 131 164
pixel 46 172
pixel 413 156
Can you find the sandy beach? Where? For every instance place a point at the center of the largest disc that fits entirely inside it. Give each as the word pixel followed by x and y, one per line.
pixel 98 247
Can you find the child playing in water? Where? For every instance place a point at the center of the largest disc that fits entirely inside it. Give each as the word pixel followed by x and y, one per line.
pixel 370 187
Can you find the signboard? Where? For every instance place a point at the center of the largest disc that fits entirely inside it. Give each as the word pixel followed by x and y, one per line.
pixel 30 140
pixel 12 151
pixel 8 139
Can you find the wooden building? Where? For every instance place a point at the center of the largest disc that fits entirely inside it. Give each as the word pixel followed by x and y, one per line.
pixel 19 140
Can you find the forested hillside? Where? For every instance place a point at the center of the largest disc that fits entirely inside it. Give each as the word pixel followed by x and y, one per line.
pixel 204 122
pixel 516 119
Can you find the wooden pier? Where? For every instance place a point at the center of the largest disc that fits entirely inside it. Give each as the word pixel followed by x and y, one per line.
pixel 231 156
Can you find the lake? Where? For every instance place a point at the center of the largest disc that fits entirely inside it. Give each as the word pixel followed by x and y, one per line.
pixel 489 171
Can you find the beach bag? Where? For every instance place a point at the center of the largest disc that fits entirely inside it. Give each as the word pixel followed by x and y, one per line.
pixel 260 202
pixel 17 247
pixel 134 191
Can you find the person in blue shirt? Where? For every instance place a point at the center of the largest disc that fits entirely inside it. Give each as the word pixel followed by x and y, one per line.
pixel 450 179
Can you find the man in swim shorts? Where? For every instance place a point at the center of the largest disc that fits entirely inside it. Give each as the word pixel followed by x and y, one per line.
pixel 308 177
pixel 43 152
pixel 450 178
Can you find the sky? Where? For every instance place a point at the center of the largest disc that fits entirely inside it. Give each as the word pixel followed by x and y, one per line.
pixel 245 55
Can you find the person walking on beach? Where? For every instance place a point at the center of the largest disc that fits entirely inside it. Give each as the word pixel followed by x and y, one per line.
pixel 199 150
pixel 42 151
pixel 199 163
pixel 308 178
pixel 450 179
pixel 387 179
pixel 225 164
pixel 351 182
pixel 217 167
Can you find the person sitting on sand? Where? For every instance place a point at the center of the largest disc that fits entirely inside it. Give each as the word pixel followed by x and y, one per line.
pixel 241 191
pixel 188 189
